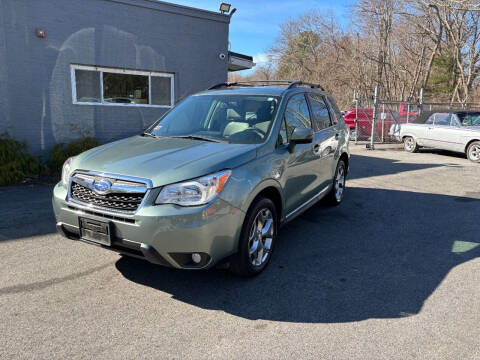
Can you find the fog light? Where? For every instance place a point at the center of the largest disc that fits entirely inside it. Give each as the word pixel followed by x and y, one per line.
pixel 196 258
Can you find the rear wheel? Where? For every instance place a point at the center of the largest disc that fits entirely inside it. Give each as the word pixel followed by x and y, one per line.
pixel 473 152
pixel 410 144
pixel 335 196
pixel 257 240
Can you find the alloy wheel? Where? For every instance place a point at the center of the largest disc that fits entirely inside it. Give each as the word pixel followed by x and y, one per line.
pixel 261 237
pixel 474 153
pixel 340 183
pixel 409 144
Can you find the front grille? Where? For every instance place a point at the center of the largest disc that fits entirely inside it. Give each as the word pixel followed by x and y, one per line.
pixel 106 216
pixel 114 201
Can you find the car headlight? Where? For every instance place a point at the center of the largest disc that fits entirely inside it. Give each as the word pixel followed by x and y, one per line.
pixel 66 171
pixel 194 192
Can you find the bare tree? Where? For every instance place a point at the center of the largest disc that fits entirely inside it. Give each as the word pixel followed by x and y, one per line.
pixel 400 45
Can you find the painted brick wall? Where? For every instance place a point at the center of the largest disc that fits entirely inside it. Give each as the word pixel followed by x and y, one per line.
pixel 35 86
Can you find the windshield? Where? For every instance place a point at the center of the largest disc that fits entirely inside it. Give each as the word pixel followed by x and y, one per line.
pixel 238 119
pixel 469 119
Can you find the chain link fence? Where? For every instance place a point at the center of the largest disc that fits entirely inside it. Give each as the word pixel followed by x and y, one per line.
pixel 375 120
pixel 388 115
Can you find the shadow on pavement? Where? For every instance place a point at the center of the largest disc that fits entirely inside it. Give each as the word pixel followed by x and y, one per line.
pixel 367 166
pixel 26 211
pixel 380 254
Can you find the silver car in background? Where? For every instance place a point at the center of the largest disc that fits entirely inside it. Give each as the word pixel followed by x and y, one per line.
pixel 453 130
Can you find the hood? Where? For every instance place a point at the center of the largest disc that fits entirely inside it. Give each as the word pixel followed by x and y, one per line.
pixel 164 160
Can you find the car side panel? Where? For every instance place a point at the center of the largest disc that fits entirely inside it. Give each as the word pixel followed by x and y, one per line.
pixel 327 147
pixel 444 137
pixel 417 131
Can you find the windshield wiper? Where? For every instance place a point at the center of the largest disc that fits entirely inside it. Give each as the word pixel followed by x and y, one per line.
pixel 195 137
pixel 150 134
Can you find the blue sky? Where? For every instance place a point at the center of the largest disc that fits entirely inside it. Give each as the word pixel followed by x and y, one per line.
pixel 255 25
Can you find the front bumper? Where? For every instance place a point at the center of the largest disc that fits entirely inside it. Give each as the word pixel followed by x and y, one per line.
pixel 162 234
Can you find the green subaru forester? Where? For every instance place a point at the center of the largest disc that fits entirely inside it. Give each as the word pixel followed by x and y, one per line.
pixel 212 180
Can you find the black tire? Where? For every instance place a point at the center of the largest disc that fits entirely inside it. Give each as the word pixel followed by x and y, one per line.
pixel 410 145
pixel 242 263
pixel 473 152
pixel 336 193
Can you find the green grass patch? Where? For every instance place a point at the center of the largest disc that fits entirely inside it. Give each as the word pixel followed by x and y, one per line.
pixel 16 164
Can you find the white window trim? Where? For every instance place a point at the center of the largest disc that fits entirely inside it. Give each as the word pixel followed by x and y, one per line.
pixel 101 69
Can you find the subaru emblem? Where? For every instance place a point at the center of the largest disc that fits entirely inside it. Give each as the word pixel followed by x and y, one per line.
pixel 102 186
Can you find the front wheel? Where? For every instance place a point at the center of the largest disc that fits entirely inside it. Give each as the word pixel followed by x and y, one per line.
pixel 335 196
pixel 257 239
pixel 410 144
pixel 473 152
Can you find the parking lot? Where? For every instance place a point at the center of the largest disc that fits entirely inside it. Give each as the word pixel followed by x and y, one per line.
pixel 392 273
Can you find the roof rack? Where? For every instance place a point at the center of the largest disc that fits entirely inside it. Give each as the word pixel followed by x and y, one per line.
pixel 301 83
pixel 289 84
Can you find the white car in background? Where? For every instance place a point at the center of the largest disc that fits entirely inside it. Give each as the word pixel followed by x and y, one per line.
pixel 454 130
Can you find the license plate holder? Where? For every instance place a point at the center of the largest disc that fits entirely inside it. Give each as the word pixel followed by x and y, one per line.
pixel 99 232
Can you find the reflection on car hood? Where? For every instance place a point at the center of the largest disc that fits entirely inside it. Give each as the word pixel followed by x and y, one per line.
pixel 164 160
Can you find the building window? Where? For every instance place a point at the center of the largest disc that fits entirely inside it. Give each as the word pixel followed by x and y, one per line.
pixel 92 85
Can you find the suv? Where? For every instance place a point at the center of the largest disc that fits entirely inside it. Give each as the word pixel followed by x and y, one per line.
pixel 212 180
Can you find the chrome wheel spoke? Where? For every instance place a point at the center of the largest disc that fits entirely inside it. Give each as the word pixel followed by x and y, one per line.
pixel 254 247
pixel 267 228
pixel 268 244
pixel 259 258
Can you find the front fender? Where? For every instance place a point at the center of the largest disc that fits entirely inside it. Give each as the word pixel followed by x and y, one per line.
pixel 408 133
pixel 247 181
pixel 268 183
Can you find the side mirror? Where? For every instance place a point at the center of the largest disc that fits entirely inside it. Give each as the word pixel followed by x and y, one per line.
pixel 300 136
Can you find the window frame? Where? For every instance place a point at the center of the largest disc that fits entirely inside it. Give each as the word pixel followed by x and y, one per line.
pixel 102 69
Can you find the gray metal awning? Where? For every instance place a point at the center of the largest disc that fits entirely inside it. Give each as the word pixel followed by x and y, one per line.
pixel 237 62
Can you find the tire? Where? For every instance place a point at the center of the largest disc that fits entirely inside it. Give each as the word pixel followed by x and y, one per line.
pixel 473 152
pixel 409 144
pixel 336 193
pixel 251 260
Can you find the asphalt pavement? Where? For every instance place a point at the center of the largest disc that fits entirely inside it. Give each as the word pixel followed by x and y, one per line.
pixel 392 273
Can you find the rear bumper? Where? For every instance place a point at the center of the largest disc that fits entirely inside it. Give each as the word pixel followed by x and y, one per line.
pixel 161 234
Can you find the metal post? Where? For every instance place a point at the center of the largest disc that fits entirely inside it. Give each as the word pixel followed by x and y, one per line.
pixel 374 118
pixel 356 119
pixel 421 101
pixel 383 122
pixel 408 112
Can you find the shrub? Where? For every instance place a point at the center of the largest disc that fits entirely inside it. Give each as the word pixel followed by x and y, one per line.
pixel 16 164
pixel 61 152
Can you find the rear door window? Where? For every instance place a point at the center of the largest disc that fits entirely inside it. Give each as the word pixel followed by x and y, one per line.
pixel 320 113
